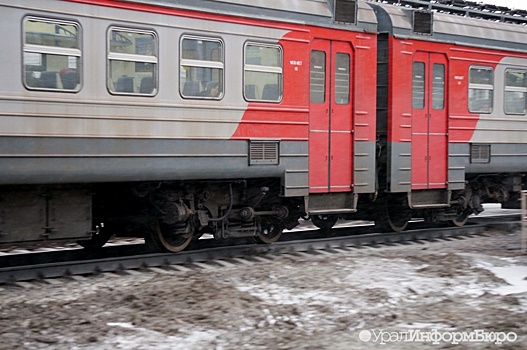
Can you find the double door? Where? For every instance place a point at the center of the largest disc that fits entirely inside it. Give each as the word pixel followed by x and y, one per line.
pixel 330 124
pixel 429 121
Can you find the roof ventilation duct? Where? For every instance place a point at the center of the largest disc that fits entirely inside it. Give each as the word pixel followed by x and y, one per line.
pixel 346 11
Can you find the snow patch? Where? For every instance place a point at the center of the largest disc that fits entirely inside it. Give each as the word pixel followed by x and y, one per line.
pixel 515 276
pixel 154 340
pixel 284 296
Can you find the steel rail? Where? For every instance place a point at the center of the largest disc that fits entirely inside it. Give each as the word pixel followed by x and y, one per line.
pixel 290 244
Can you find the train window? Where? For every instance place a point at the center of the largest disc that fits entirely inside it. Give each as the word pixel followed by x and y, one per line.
pixel 515 91
pixel 342 79
pixel 262 72
pixel 132 61
pixel 480 89
pixel 438 87
pixel 201 68
pixel 418 85
pixel 52 54
pixel 317 80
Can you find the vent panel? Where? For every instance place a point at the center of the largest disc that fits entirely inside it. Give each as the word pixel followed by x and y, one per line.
pixel 480 153
pixel 346 11
pixel 423 22
pixel 264 153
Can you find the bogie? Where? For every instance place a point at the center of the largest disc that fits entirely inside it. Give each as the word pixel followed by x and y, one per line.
pixel 175 214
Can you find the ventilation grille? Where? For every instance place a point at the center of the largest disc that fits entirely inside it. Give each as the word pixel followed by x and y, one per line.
pixel 480 153
pixel 263 152
pixel 345 11
pixel 423 22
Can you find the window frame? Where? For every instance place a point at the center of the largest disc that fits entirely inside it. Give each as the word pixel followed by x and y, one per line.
pixel 339 89
pixel 198 63
pixel 255 68
pixel 135 58
pixel 438 92
pixel 481 87
pixel 317 85
pixel 52 50
pixel 419 86
pixel 510 88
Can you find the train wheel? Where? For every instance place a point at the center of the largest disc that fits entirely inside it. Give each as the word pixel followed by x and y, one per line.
pixel 173 238
pixel 461 219
pixel 269 232
pixel 398 224
pixel 324 222
pixel 394 215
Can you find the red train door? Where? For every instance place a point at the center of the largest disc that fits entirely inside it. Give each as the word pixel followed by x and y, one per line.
pixel 330 117
pixel 429 121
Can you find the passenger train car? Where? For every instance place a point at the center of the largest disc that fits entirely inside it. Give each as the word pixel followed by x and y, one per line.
pixel 169 119
pixel 452 89
pixel 109 124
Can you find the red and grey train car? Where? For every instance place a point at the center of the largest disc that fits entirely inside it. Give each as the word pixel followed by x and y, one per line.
pixel 452 92
pixel 176 118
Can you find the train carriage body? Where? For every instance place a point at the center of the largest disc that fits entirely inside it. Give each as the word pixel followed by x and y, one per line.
pixel 451 106
pixel 171 119
pixel 103 97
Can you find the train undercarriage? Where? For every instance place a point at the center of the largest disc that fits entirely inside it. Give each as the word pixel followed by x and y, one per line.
pixel 393 211
pixel 170 215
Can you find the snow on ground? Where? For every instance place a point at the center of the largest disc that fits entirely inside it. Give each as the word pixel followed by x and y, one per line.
pixel 371 298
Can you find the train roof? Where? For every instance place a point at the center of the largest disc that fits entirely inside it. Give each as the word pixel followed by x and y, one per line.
pixel 435 21
pixel 343 14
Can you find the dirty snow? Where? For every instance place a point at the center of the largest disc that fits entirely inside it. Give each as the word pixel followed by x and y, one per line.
pixel 326 301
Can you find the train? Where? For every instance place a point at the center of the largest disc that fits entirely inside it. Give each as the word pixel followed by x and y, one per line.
pixel 170 119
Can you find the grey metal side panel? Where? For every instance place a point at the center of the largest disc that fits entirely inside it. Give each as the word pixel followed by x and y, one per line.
pixel 364 167
pixel 27 215
pixel 294 157
pixel 331 203
pixel 458 158
pixel 400 161
pixel 67 160
pixel 31 160
pixel 399 166
pixel 509 158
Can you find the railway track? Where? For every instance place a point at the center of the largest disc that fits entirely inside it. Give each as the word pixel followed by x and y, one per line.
pixel 74 262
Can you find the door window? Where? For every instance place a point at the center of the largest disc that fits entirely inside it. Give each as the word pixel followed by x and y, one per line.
pixel 438 87
pixel 318 77
pixel 418 85
pixel 342 79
